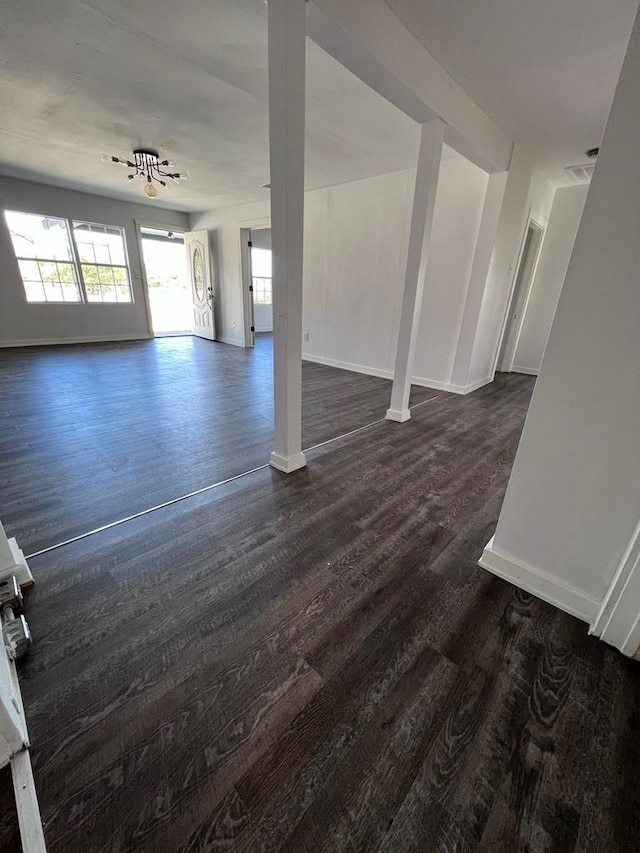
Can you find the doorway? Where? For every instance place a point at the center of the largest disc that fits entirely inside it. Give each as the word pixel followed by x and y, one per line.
pixel 520 295
pixel 168 283
pixel 257 280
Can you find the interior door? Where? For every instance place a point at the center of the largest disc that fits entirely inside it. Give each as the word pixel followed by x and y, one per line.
pixel 199 260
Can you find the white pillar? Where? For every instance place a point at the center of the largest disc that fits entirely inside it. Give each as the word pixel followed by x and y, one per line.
pixel 424 198
pixel 287 34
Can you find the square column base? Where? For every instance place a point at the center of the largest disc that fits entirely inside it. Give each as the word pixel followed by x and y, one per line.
pixel 398 415
pixel 287 464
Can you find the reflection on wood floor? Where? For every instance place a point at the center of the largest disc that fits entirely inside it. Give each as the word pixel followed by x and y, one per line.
pixel 93 433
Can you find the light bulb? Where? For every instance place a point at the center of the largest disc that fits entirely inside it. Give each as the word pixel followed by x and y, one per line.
pixel 150 190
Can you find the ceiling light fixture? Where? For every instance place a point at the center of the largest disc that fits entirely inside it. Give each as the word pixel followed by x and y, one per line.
pixel 148 166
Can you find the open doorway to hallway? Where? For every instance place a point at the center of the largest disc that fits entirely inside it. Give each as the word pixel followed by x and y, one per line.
pixel 257 282
pixel 168 284
pixel 518 303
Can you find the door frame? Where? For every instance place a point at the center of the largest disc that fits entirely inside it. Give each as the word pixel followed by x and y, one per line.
pixel 161 226
pixel 245 275
pixel 539 225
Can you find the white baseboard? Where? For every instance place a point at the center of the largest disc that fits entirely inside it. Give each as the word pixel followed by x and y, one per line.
pixel 89 339
pixel 234 343
pixel 348 365
pixel 530 371
pixel 422 381
pixel 430 383
pixel 562 595
pixel 472 386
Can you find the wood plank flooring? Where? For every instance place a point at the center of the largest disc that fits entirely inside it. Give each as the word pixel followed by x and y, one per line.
pixel 93 433
pixel 315 662
pixel 9 829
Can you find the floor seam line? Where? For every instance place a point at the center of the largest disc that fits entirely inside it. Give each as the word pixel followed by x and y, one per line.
pixel 204 489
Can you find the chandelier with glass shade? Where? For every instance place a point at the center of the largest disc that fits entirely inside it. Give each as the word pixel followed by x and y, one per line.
pixel 149 168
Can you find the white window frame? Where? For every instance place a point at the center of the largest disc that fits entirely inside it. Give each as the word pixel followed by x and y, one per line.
pixel 126 266
pixel 74 261
pixel 71 261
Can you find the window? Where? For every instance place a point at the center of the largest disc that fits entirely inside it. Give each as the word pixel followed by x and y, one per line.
pixel 261 275
pixel 43 249
pixel 63 261
pixel 102 262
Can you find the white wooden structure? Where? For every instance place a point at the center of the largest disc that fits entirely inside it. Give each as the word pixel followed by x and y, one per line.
pixel 14 738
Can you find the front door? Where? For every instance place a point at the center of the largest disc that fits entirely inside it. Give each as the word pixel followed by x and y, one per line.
pixel 199 259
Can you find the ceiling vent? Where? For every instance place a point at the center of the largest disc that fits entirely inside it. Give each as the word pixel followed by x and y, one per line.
pixel 582 173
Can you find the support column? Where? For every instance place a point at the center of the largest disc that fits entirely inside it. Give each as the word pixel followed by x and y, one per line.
pixel 287 34
pixel 424 198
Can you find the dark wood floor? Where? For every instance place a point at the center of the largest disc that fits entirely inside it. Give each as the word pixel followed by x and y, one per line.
pixel 91 434
pixel 315 662
pixel 9 830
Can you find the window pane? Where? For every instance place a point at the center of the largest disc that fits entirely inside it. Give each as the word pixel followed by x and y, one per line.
pixel 261 263
pixel 37 236
pixel 34 291
pixel 102 254
pixel 43 250
pixel 99 244
pixel 29 270
pixel 53 292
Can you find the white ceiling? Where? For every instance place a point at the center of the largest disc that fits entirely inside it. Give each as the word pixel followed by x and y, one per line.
pixel 80 78
pixel 544 70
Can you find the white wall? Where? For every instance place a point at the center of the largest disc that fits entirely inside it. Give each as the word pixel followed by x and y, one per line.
pixel 573 500
pixel 22 322
pixel 459 204
pixel 527 193
pixel 568 204
pixel 356 238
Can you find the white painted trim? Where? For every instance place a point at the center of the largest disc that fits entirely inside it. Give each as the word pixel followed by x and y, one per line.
pixel 562 595
pixel 18 566
pixel 29 819
pixel 91 339
pixel 422 381
pixel 471 387
pixel 14 736
pixel 618 620
pixel 348 365
pixel 400 416
pixel 287 464
pixel 230 341
pixel 530 371
pixel 537 224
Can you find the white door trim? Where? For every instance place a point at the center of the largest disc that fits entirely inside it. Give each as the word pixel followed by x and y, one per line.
pixel 140 224
pixel 618 621
pixel 540 226
pixel 246 226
